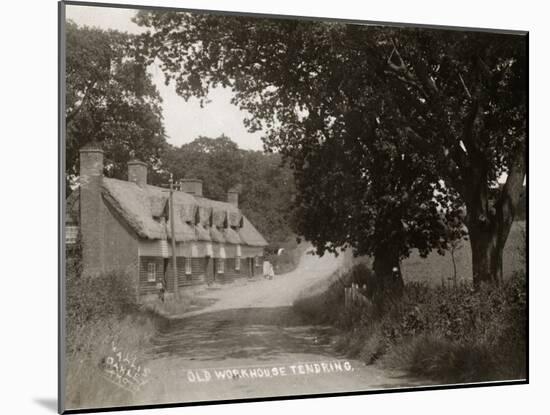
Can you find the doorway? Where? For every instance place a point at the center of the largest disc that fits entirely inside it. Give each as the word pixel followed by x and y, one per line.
pixel 209 270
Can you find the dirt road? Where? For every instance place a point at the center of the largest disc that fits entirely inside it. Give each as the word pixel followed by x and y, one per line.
pixel 250 343
pixel 260 293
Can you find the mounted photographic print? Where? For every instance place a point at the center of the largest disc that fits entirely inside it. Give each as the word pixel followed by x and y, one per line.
pixel 269 207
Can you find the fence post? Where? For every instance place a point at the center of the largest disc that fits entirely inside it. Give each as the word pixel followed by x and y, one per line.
pixel 346 297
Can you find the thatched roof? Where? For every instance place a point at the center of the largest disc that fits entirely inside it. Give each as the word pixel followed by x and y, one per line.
pixel 195 218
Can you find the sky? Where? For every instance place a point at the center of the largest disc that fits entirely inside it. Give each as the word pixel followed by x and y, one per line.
pixel 183 121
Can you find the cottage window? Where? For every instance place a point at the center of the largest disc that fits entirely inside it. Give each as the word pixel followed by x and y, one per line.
pixel 151 272
pixel 71 234
pixel 220 265
pixel 238 263
pixel 188 266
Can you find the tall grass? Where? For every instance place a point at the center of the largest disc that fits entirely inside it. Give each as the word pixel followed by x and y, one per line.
pixel 458 335
pixel 103 318
pixel 449 334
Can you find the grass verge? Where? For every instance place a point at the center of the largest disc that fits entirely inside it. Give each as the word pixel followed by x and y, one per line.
pixel 107 336
pixel 447 334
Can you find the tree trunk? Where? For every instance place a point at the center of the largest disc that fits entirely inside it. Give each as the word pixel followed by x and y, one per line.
pixel 489 223
pixel 386 281
pixel 454 266
pixel 486 256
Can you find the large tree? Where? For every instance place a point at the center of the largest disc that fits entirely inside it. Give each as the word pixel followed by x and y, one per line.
pixel 391 131
pixel 110 100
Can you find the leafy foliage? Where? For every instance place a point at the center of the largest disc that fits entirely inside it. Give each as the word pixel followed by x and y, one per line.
pixel 110 100
pixel 101 313
pixel 454 334
pixel 384 127
pixel 459 335
pixel 95 299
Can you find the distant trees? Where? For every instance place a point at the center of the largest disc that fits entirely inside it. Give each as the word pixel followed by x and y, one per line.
pixel 218 162
pixel 391 131
pixel 110 99
pixel 266 183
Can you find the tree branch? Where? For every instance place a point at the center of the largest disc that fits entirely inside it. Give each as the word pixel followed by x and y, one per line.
pixel 401 70
pixel 464 85
pixel 70 116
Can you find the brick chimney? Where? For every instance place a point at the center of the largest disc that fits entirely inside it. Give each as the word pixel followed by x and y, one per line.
pixel 137 172
pixel 91 231
pixel 233 196
pixel 191 186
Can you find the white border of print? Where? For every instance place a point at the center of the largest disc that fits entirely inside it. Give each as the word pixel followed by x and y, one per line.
pixel 29 210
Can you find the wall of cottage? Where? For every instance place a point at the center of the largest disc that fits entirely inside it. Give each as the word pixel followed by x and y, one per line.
pixel 249 267
pixel 120 251
pixel 107 244
pixel 147 287
pixel 120 246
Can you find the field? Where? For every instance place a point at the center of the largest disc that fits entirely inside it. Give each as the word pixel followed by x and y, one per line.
pixel 437 269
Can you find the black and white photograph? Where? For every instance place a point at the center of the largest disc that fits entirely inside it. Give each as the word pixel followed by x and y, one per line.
pixel 264 207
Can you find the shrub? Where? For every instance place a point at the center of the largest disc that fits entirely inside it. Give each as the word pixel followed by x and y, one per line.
pixel 451 334
pixel 101 311
pixel 324 306
pixel 85 385
pixel 102 298
pixel 458 335
pixel 443 360
pixel 290 257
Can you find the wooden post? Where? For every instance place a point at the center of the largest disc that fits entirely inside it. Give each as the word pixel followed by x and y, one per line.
pixel 346 297
pixel 173 238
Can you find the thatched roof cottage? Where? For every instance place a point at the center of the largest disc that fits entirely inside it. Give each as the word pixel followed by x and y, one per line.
pixel 125 225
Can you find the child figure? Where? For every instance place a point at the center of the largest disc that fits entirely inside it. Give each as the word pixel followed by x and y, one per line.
pixel 268 270
pixel 160 287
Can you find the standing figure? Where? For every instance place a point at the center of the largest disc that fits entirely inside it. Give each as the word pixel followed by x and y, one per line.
pixel 268 270
pixel 161 290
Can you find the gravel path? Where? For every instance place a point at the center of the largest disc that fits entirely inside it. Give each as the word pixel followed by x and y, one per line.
pixel 249 343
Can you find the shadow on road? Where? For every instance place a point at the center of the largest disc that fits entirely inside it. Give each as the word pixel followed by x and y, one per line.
pixel 259 333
